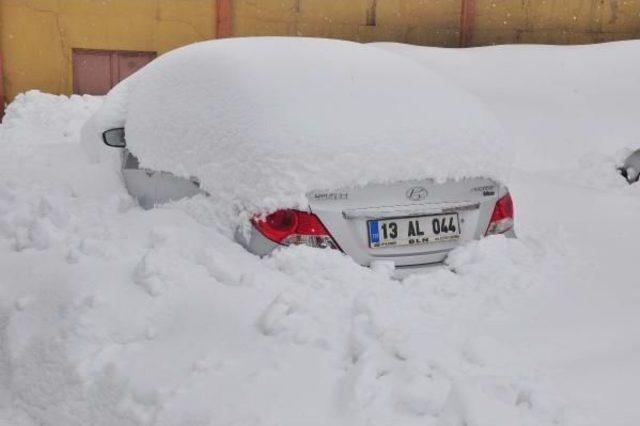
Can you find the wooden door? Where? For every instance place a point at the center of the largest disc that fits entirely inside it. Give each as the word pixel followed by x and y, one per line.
pixel 95 72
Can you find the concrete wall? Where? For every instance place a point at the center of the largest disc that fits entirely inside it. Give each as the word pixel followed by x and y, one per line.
pixel 37 36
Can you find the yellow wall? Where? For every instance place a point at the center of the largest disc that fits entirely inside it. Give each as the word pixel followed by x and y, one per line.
pixel 37 36
pixel 428 22
pixel 555 21
pixel 437 22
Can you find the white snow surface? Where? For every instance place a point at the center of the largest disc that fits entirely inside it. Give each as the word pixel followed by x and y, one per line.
pixel 115 315
pixel 263 121
pixel 589 89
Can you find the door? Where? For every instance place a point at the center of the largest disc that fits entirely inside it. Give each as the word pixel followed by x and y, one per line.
pixel 95 72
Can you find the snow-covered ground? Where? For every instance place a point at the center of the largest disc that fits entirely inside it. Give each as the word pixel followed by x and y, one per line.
pixel 110 314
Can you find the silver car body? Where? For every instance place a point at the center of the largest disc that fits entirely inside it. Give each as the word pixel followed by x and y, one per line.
pixel 150 187
pixel 345 212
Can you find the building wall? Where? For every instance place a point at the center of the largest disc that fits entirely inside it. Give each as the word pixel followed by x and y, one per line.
pixel 37 36
pixel 438 22
pixel 426 22
pixel 555 21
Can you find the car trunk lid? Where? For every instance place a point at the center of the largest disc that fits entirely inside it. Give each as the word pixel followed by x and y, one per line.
pixel 350 214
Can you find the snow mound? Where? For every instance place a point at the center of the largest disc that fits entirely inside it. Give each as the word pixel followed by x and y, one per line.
pixel 263 121
pixel 110 314
pixel 573 104
pixel 115 315
pixel 42 118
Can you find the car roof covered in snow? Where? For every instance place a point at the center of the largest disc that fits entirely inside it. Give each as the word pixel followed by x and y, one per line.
pixel 263 121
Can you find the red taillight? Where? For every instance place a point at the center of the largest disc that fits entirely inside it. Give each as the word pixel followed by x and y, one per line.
pixel 502 217
pixel 295 227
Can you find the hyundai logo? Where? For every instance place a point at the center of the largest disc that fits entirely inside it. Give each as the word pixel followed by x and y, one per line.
pixel 417 193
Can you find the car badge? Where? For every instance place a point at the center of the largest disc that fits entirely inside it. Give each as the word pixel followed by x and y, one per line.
pixel 417 193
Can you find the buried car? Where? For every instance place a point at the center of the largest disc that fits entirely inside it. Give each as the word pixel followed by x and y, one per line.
pixel 317 142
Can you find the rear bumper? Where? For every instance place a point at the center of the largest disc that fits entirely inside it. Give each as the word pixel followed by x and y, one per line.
pixel 402 272
pixel 261 246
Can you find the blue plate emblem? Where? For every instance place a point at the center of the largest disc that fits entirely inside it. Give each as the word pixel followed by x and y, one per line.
pixel 374 232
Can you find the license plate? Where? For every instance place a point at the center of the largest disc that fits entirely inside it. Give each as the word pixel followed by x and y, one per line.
pixel 408 231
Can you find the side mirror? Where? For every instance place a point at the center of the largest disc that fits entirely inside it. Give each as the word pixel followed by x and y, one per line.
pixel 630 170
pixel 114 138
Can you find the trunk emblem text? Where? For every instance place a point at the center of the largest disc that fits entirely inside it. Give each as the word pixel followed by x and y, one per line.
pixel 331 196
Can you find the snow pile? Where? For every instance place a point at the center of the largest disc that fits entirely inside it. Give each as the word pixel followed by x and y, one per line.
pixel 44 119
pixel 263 121
pixel 115 315
pixel 575 103
pixel 110 314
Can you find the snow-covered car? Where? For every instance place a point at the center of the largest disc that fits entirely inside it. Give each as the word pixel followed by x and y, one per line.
pixel 630 170
pixel 316 142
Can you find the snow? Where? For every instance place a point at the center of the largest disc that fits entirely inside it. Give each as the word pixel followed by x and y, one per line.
pixel 47 119
pixel 111 314
pixel 573 103
pixel 263 121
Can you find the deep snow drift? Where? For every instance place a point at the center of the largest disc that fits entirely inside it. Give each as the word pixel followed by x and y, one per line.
pixel 574 105
pixel 263 121
pixel 110 314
